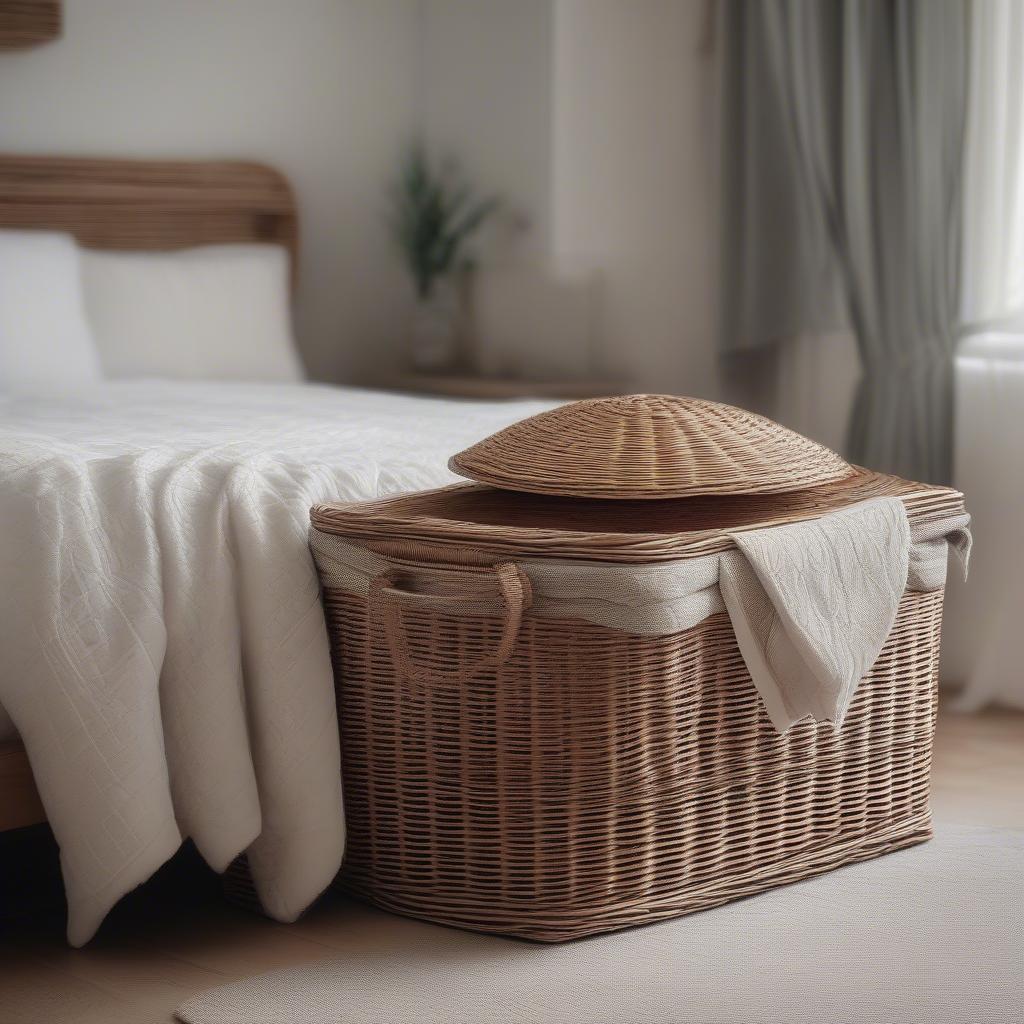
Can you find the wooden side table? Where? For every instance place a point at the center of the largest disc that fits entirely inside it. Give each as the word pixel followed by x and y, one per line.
pixel 470 386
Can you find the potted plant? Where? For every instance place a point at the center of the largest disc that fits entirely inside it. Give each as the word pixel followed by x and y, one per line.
pixel 433 217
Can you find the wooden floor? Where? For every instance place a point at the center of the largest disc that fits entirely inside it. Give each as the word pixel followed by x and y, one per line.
pixel 175 936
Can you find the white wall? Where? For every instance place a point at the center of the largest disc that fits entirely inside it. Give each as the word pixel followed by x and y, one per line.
pixel 484 96
pixel 593 117
pixel 634 193
pixel 322 89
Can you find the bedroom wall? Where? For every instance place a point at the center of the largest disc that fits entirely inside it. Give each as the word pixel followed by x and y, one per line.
pixel 322 89
pixel 594 118
pixel 485 95
pixel 634 181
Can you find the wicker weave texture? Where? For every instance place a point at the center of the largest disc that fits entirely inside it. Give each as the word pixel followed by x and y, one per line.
pixel 469 518
pixel 648 446
pixel 25 23
pixel 598 780
pixel 148 204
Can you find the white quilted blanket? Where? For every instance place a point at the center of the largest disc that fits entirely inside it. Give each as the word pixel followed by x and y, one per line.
pixel 164 656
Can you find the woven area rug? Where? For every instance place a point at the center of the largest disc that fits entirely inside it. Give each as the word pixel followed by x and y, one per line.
pixel 930 934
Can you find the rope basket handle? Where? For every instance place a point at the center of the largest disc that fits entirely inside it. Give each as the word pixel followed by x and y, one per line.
pixel 387 596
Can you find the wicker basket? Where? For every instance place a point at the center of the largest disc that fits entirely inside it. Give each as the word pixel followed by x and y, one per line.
pixel 549 778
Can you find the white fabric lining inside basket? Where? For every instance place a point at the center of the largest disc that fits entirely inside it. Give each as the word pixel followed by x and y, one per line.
pixel 649 600
pixel 804 655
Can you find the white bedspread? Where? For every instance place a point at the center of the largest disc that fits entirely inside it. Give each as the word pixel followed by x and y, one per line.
pixel 164 656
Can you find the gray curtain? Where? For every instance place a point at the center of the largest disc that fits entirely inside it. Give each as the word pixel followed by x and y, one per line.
pixel 778 272
pixel 870 99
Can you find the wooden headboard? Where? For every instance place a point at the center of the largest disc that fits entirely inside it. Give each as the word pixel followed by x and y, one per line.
pixel 148 204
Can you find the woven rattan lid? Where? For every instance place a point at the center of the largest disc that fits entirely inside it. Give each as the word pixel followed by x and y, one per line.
pixel 648 446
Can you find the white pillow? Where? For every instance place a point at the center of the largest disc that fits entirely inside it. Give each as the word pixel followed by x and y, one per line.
pixel 45 343
pixel 218 312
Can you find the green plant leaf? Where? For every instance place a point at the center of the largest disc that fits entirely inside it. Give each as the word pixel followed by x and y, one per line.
pixel 432 216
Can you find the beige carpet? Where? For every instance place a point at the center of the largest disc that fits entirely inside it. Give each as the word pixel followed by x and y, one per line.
pixel 928 935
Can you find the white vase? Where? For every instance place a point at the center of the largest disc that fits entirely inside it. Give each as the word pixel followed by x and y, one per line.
pixel 435 329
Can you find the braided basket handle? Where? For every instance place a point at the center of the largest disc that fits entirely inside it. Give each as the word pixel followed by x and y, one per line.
pixel 516 596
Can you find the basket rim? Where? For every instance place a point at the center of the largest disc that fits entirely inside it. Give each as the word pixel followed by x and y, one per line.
pixel 389 519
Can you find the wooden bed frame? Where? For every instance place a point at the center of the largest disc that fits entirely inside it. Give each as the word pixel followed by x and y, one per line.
pixel 134 204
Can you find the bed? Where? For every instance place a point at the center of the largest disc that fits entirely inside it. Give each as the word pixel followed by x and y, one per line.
pixel 165 669
pixel 130 204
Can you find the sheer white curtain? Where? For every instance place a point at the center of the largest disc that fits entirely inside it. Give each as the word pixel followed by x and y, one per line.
pixel 985 620
pixel 993 246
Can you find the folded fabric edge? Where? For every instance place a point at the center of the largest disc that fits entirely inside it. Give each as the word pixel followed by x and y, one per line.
pixel 86 915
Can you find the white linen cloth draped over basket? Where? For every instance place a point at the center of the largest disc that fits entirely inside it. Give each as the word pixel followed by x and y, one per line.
pixel 812 603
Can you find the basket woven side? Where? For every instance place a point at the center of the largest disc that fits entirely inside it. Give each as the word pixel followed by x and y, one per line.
pixel 599 780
